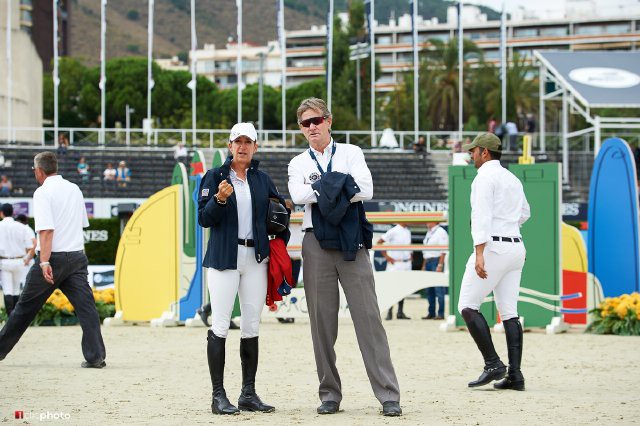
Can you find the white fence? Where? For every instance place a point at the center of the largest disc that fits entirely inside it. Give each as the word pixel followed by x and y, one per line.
pixel 212 138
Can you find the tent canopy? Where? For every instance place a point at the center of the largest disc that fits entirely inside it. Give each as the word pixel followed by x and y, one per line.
pixel 597 79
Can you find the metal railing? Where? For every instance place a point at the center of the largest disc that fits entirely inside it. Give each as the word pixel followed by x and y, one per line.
pixel 218 138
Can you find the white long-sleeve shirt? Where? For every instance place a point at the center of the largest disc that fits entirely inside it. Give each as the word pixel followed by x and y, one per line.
pixel 303 171
pixel 498 204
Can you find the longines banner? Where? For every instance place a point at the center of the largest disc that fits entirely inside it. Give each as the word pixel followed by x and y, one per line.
pixel 570 211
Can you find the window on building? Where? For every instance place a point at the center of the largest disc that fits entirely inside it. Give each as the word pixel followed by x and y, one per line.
pixel 25 17
pixel 554 31
pixel 386 79
pixel 525 32
pixel 405 57
pixel 405 38
pixel 603 29
pixel 525 53
pixel 426 37
pixel 383 40
pixel 484 35
pixel 492 55
pixel 384 58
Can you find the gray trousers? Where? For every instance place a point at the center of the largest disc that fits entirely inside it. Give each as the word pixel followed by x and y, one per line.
pixel 321 271
pixel 70 276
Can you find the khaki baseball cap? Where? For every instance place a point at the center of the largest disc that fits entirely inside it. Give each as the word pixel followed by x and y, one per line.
pixel 484 140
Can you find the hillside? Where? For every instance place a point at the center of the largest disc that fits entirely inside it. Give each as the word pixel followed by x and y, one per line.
pixel 215 23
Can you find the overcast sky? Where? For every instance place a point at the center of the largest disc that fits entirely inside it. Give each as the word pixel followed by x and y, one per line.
pixel 605 7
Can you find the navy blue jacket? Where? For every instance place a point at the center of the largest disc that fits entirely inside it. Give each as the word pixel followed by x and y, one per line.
pixel 339 224
pixel 222 249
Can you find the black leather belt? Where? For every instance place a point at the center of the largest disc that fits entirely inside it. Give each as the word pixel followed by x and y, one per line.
pixel 507 239
pixel 11 258
pixel 307 230
pixel 246 242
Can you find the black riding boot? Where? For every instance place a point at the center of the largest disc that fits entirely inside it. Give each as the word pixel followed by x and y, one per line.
pixel 514 379
pixel 249 400
pixel 494 369
pixel 9 304
pixel 215 354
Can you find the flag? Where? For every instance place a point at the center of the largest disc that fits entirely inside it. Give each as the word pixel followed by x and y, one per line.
pixel 329 47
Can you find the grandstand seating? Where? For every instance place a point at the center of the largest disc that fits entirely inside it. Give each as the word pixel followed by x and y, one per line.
pixel 150 170
pixel 396 175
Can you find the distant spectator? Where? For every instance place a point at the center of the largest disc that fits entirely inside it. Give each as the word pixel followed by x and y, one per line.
pixel 109 176
pixel 512 135
pixel 180 153
pixel 530 124
pixel 457 145
pixel 421 145
pixel 63 144
pixel 83 170
pixel 123 175
pixel 5 186
pixel 491 126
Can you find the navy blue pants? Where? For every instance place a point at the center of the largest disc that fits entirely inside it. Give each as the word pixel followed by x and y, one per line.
pixel 434 293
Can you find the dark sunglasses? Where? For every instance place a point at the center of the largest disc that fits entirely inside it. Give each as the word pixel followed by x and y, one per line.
pixel 316 121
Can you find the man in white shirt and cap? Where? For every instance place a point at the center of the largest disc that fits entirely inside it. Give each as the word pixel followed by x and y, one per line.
pixel 498 209
pixel 60 217
pixel 15 242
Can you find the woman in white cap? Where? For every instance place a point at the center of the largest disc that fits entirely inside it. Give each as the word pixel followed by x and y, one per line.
pixel 233 202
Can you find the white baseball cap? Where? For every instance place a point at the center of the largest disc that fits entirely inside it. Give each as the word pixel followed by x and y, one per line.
pixel 243 129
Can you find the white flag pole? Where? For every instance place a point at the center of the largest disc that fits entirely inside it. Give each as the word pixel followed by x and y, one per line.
pixel 150 82
pixel 414 25
pixel 9 76
pixel 329 53
pixel 103 76
pixel 239 59
pixel 194 45
pixel 373 74
pixel 503 61
pixel 283 68
pixel 460 72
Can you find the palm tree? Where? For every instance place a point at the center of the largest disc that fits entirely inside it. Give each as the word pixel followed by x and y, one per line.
pixel 441 65
pixel 521 90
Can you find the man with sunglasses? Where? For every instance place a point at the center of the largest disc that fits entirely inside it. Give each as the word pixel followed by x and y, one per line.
pixel 322 268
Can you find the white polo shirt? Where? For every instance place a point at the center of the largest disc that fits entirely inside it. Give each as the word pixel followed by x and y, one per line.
pixel 303 171
pixel 59 205
pixel 400 236
pixel 435 236
pixel 498 204
pixel 15 239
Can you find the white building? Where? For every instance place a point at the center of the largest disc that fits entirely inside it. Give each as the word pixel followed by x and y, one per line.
pixel 219 65
pixel 525 33
pixel 26 76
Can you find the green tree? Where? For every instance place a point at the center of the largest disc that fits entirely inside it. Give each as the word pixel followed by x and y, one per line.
pixel 521 91
pixel 71 73
pixel 442 64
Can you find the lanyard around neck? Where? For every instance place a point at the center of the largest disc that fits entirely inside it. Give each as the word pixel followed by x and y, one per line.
pixel 313 157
